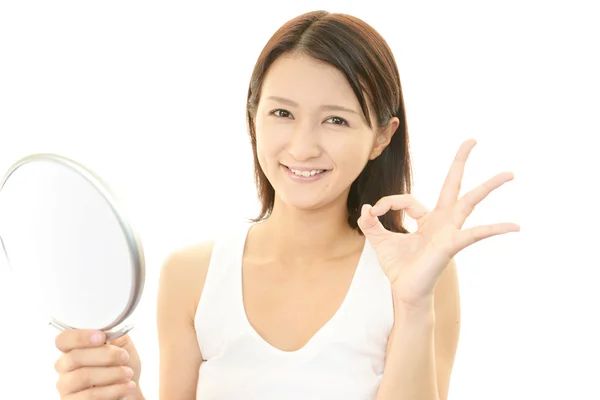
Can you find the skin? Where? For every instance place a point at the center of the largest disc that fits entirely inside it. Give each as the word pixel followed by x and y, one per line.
pixel 311 248
pixel 414 263
pixel 90 369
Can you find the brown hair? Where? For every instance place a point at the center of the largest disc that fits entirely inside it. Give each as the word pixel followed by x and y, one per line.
pixel 362 55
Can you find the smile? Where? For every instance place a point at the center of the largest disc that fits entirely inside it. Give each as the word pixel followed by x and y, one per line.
pixel 305 175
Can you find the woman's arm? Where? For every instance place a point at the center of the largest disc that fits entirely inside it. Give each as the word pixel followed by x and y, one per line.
pixel 422 346
pixel 181 282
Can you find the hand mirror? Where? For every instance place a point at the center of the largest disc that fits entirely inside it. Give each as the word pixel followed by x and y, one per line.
pixel 63 231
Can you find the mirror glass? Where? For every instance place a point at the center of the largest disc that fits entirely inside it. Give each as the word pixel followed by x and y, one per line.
pixel 64 234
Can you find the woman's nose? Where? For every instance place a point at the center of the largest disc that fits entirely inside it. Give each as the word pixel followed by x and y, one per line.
pixel 304 144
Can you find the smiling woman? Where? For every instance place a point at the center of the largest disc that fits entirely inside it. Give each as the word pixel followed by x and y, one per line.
pixel 307 136
pixel 336 78
pixel 325 295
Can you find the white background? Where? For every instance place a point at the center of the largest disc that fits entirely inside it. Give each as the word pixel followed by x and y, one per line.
pixel 151 96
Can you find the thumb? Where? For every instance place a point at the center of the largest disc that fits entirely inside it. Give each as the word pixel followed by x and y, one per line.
pixel 368 223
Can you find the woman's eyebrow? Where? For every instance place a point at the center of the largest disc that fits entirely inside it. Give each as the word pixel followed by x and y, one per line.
pixel 331 107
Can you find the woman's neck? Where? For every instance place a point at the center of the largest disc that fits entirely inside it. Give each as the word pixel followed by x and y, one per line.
pixel 303 237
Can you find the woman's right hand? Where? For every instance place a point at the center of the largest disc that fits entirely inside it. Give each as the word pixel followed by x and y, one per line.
pixel 90 369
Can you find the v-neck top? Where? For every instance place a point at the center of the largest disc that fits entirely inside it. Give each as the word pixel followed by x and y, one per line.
pixel 343 360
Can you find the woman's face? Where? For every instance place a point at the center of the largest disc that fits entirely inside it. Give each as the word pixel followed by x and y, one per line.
pixel 312 138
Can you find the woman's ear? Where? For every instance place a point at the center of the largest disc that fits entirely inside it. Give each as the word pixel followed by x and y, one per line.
pixel 384 137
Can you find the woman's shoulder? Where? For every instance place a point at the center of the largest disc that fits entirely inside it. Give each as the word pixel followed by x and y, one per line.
pixel 181 280
pixel 183 274
pixel 189 260
pixel 185 269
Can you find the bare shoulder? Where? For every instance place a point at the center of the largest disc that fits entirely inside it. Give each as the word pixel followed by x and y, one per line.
pixel 184 272
pixel 191 258
pixel 181 282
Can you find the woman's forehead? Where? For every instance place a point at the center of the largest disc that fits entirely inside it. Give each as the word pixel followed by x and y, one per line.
pixel 307 81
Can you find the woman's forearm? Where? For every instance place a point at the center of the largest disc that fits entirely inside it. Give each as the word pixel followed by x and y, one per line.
pixel 410 372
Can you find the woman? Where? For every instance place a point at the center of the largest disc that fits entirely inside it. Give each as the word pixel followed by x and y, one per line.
pixel 326 295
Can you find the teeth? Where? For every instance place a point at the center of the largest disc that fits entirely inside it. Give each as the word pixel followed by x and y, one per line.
pixel 307 173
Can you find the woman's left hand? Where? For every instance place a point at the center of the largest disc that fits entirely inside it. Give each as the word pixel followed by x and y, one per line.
pixel 413 262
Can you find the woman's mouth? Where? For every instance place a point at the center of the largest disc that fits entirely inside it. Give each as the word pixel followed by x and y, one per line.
pixel 305 174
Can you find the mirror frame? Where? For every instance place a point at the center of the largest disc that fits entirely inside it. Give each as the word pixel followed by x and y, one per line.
pixel 134 244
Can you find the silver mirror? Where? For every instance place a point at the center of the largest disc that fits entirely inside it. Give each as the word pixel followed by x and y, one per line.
pixel 63 232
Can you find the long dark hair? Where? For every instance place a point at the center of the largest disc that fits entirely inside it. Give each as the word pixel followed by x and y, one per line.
pixel 363 56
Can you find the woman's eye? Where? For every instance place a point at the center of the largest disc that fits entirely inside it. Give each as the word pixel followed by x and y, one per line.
pixel 281 113
pixel 338 121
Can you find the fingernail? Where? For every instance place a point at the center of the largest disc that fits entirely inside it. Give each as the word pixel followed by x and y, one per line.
pixel 131 385
pixel 128 372
pixel 124 357
pixel 97 338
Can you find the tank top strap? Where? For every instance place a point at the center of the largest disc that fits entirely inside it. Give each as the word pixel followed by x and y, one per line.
pixel 217 314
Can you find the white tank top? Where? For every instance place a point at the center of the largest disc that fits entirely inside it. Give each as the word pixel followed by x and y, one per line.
pixel 343 360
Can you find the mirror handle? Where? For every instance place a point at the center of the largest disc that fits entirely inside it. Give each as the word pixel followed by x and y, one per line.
pixel 118 332
pixel 110 334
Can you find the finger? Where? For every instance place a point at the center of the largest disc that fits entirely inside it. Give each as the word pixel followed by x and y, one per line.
pixel 110 392
pixel 368 223
pixel 467 203
pixel 121 341
pixel 406 202
pixel 78 339
pixel 85 378
pixel 452 184
pixel 472 235
pixel 104 356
